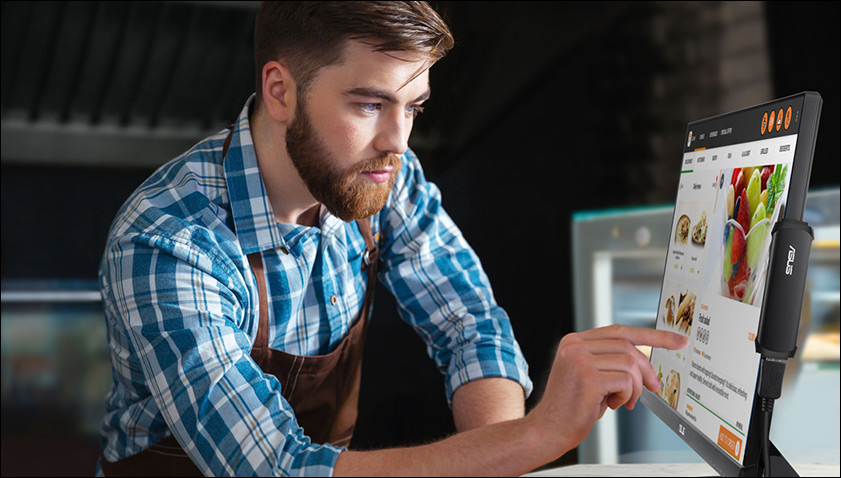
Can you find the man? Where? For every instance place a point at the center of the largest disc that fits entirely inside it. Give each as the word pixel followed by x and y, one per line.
pixel 237 280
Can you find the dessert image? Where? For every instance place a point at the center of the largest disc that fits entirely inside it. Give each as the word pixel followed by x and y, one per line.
pixel 682 230
pixel 699 231
pixel 752 204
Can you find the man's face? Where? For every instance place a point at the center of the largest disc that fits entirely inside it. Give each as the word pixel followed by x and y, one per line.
pixel 347 135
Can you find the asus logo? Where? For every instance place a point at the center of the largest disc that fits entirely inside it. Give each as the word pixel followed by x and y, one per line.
pixel 681 429
pixel 790 263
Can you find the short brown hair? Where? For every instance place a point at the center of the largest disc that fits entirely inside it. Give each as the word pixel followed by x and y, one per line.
pixel 308 36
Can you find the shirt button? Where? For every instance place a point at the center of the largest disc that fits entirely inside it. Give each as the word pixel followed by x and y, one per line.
pixel 334 299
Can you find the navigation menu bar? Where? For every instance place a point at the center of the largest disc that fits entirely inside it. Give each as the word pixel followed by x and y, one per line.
pixel 781 118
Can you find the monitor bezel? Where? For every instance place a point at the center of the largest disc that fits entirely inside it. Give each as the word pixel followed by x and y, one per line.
pixel 714 455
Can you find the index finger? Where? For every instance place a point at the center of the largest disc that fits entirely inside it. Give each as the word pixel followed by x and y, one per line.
pixel 638 336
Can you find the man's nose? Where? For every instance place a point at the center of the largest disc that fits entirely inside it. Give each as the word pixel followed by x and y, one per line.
pixel 393 134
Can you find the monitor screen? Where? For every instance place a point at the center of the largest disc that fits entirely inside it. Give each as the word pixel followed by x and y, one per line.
pixel 736 176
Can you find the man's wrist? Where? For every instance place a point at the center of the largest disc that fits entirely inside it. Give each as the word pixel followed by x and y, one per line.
pixel 552 443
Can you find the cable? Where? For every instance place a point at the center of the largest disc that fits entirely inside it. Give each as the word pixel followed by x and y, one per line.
pixel 770 388
pixel 767 409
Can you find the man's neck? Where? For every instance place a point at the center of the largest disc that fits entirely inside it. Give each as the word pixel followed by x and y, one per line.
pixel 289 197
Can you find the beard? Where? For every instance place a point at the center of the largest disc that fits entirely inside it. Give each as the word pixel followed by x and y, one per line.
pixel 344 193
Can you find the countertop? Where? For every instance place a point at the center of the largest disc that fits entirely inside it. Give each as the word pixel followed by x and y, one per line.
pixel 672 469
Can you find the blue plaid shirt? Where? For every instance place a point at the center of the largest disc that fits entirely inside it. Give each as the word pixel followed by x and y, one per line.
pixel 181 304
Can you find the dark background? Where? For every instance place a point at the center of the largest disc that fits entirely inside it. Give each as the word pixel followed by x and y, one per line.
pixel 541 109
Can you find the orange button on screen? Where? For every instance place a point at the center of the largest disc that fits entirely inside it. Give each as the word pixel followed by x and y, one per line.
pixel 779 119
pixel 729 441
pixel 764 123
pixel 788 117
pixel 771 122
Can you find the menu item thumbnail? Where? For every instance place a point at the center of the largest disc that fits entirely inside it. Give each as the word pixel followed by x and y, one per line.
pixel 677 311
pixel 752 204
pixel 699 231
pixel 669 388
pixel 685 310
pixel 682 230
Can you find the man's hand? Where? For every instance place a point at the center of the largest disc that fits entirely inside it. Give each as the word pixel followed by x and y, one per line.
pixel 594 370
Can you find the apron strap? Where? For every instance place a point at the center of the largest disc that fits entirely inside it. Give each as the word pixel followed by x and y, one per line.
pixel 371 253
pixel 227 143
pixel 262 339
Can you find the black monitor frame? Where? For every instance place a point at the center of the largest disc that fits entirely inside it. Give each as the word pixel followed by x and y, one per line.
pixel 745 129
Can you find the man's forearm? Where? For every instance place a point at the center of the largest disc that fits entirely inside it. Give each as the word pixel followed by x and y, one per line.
pixel 504 449
pixel 592 371
pixel 486 401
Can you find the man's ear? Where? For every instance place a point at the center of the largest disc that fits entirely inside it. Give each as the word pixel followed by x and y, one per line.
pixel 278 91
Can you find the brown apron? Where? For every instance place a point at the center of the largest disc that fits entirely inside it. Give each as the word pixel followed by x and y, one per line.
pixel 323 390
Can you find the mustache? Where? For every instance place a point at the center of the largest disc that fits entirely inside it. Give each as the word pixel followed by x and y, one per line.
pixel 374 164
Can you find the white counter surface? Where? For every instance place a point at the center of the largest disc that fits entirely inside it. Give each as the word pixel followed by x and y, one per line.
pixel 672 469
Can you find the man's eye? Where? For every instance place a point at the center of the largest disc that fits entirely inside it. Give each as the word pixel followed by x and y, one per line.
pixel 414 110
pixel 369 107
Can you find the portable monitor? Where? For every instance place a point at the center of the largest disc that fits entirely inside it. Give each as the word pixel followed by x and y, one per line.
pixel 741 172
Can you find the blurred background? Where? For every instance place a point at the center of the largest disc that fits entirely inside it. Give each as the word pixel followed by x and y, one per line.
pixel 593 96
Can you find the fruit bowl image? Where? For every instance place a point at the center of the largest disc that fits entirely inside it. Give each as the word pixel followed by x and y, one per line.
pixel 743 257
pixel 747 232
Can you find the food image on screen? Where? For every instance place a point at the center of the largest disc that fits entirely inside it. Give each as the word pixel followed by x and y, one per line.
pixel 685 310
pixel 752 204
pixel 677 308
pixel 699 231
pixel 682 230
pixel 673 388
pixel 670 387
pixel 670 311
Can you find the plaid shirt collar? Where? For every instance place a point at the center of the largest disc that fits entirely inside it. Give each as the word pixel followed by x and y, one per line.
pixel 254 222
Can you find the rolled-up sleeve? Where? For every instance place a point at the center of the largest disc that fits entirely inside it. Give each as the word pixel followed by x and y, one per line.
pixel 442 290
pixel 180 310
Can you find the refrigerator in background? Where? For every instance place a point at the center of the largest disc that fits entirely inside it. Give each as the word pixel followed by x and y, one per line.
pixel 618 264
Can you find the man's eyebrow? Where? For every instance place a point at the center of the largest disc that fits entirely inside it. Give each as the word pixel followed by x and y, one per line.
pixel 384 95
